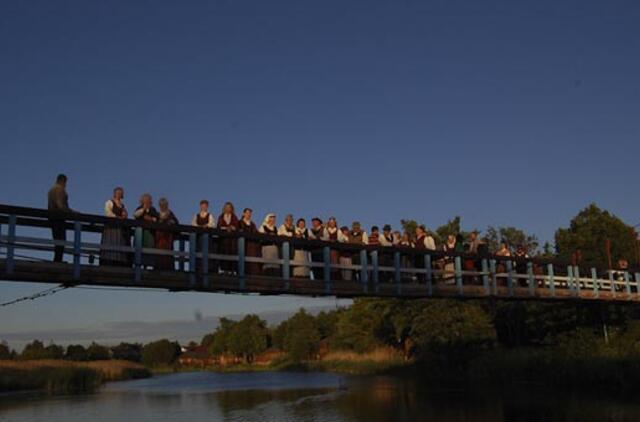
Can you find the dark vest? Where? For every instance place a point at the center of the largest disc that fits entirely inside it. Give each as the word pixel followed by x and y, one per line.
pixel 117 210
pixel 202 221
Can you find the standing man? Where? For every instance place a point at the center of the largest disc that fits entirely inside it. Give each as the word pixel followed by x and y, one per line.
pixel 58 205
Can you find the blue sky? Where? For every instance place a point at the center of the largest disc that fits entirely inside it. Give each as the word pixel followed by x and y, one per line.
pixel 504 112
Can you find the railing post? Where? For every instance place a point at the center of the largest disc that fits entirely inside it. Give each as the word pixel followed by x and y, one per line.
pixel 485 276
pixel 576 278
pixel 552 281
pixel 137 255
pixel 242 255
pixel 286 265
pixel 510 277
pixel 429 274
pixel 11 240
pixel 612 284
pixel 570 278
pixel 458 269
pixel 627 284
pixel 532 281
pixel 181 260
pixel 364 274
pixel 594 277
pixel 193 250
pixel 77 239
pixel 375 272
pixel 397 272
pixel 204 246
pixel 494 276
pixel 326 258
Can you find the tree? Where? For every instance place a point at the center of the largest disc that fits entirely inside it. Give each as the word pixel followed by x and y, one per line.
pixel 127 351
pixel 357 327
pixel 587 236
pixel 5 352
pixel 218 341
pixel 248 337
pixel 98 352
pixel 76 352
pixel 452 330
pixel 37 350
pixel 513 237
pixel 160 353
pixel 302 337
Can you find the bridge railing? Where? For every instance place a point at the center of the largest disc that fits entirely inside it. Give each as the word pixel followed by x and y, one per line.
pixel 199 255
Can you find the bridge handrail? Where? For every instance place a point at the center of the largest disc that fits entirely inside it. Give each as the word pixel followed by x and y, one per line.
pixel 38 217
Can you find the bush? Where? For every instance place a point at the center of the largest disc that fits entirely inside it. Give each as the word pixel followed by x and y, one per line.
pixel 160 353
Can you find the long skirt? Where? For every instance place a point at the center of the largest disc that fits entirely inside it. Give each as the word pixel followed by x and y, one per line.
pixel 270 252
pixel 300 263
pixel 164 240
pixel 228 246
pixel 114 237
pixel 335 260
pixel 253 250
pixel 318 258
pixel 345 274
pixel 148 241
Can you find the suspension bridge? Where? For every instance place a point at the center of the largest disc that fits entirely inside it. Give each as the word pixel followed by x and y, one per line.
pixel 26 246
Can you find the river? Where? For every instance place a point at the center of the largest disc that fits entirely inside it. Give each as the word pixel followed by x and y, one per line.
pixel 289 396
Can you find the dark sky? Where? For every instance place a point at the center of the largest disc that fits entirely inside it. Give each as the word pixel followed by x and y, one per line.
pixel 504 112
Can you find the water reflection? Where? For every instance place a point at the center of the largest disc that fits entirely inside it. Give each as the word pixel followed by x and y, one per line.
pixel 285 397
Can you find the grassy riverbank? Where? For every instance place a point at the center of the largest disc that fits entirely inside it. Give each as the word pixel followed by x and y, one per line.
pixel 65 376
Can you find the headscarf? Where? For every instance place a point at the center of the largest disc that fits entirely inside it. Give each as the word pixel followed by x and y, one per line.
pixel 265 222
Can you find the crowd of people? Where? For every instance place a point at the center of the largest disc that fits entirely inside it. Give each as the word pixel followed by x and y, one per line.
pixel 305 263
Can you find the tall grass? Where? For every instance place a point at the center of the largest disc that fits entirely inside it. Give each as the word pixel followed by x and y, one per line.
pixel 65 376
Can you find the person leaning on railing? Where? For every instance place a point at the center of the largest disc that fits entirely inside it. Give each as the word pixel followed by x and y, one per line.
pixel 301 258
pixel 114 235
pixel 205 220
pixel 146 212
pixel 252 247
pixel 164 239
pixel 58 204
pixel 270 247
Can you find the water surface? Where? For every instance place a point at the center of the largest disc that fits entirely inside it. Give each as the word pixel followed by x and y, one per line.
pixel 282 397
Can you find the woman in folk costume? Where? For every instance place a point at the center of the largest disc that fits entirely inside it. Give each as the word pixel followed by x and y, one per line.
pixel 424 242
pixel 287 229
pixel 450 246
pixel 146 212
pixel 164 239
pixel 114 235
pixel 345 255
pixel 317 256
pixel 332 233
pixel 252 247
pixel 301 258
pixel 357 236
pixel 205 220
pixel 270 248
pixel 228 222
pixel 386 258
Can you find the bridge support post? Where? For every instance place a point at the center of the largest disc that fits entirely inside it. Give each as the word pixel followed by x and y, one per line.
pixel 181 259
pixel 552 281
pixel 429 274
pixel 397 272
pixel 326 258
pixel 204 246
pixel 510 277
pixel 375 273
pixel 627 284
pixel 485 276
pixel 458 274
pixel 576 279
pixel 364 273
pixel 286 265
pixel 594 278
pixel 241 259
pixel 193 240
pixel 494 276
pixel 532 280
pixel 637 284
pixel 11 240
pixel 137 254
pixel 77 247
